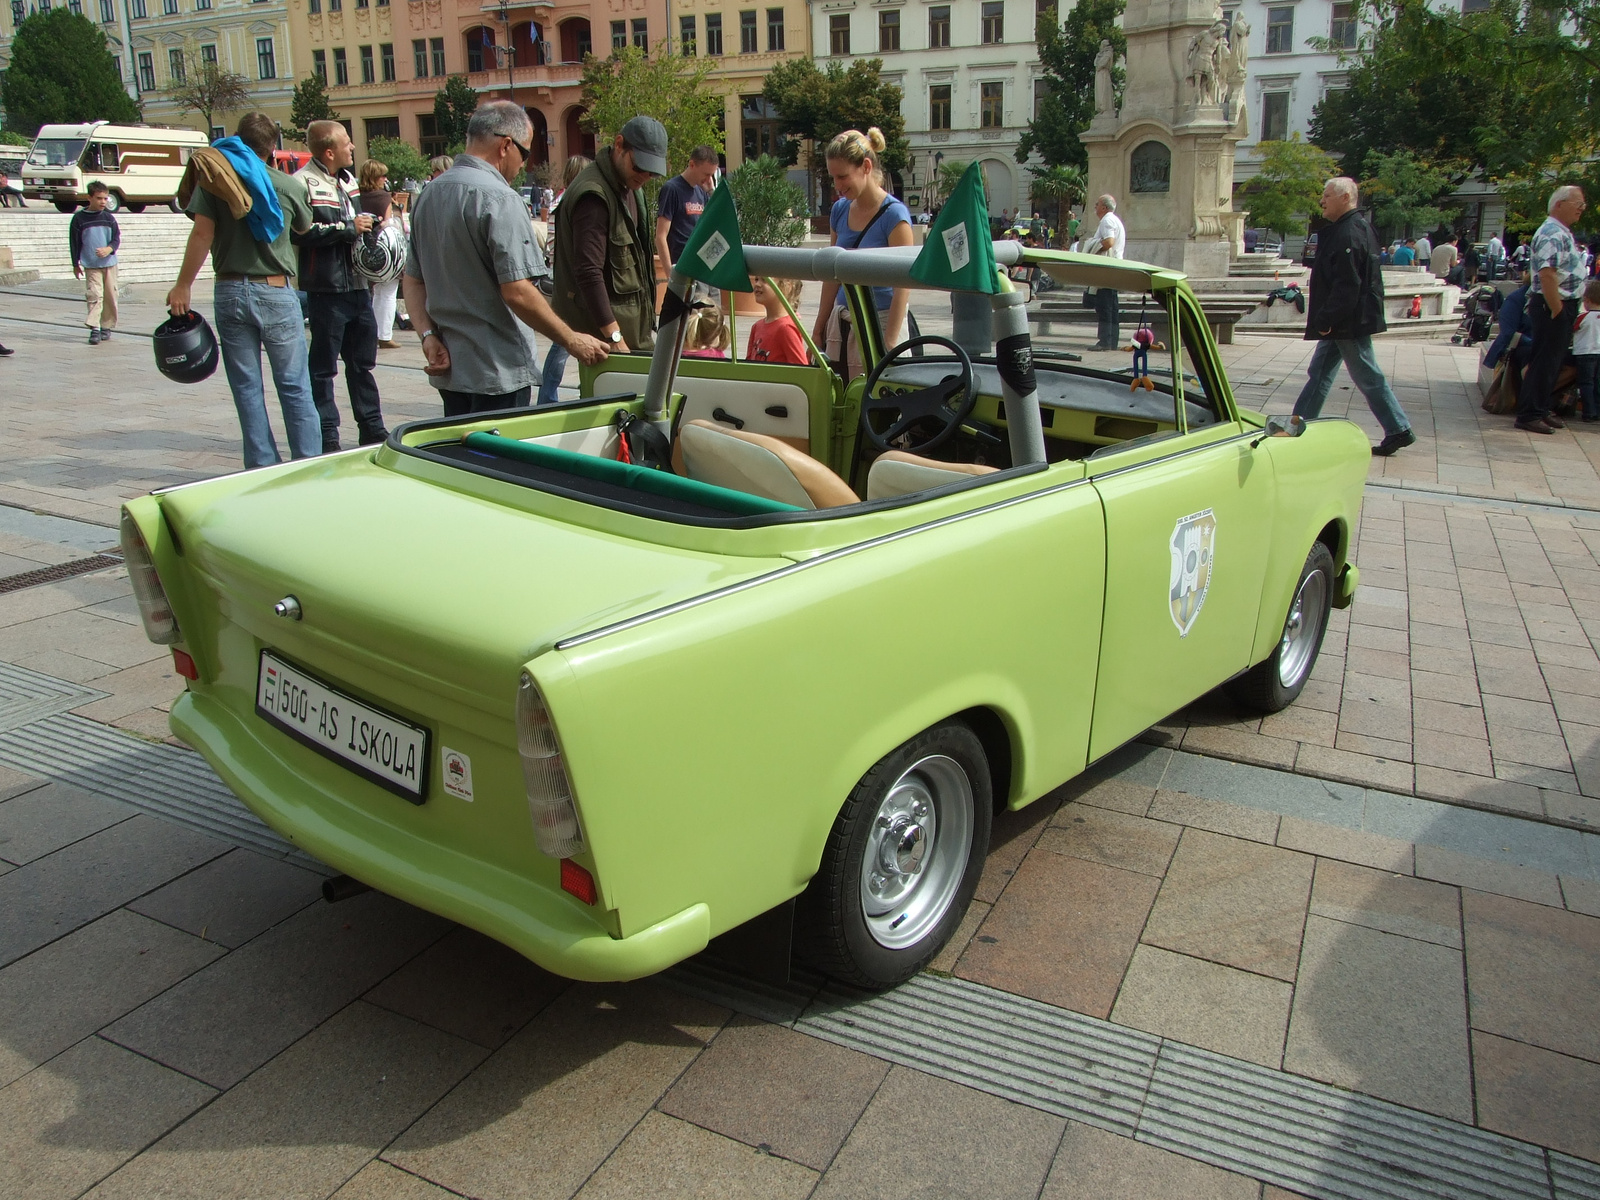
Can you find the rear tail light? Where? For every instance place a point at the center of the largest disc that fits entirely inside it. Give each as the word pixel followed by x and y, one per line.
pixel 160 626
pixel 555 816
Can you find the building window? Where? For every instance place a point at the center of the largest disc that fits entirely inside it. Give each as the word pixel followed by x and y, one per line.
pixel 939 106
pixel 641 32
pixel 939 27
pixel 1275 117
pixel 991 98
pixel 369 73
pixel 335 5
pixel 480 49
pixel 419 58
pixel 175 70
pixel 341 68
pixel 1342 29
pixel 116 62
pixel 108 12
pixel 1044 8
pixel 208 55
pixel 889 29
pixel 19 13
pixel 313 7
pixel 386 56
pixel 383 127
pixel 1041 91
pixel 436 45
pixel 686 36
pixel 774 29
pixel 714 34
pixel 747 31
pixel 994 22
pixel 839 33
pixel 202 5
pixel 218 133
pixel 137 9
pixel 147 73
pixel 363 3
pixel 619 35
pixel 169 8
pixel 1472 6
pixel 1280 30
pixel 319 65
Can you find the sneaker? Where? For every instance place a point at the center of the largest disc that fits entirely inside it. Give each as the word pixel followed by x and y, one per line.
pixel 388 344
pixel 94 337
pixel 1554 421
pixel 105 335
pixel 1395 441
pixel 5 353
pixel 1533 426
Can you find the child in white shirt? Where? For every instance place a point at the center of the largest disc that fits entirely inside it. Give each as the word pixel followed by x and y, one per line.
pixel 1586 349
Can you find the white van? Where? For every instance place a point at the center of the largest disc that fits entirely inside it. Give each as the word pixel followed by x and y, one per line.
pixel 141 164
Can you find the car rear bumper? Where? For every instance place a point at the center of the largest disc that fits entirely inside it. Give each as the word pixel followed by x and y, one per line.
pixel 510 909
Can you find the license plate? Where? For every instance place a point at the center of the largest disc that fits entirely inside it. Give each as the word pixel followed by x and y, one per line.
pixel 372 743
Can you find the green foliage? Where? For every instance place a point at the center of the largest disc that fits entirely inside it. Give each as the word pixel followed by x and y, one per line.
pixel 10 137
pixel 1508 92
pixel 820 105
pixel 1404 193
pixel 403 159
pixel 1067 51
pixel 61 72
pixel 771 208
pixel 1066 186
pixel 944 182
pixel 453 106
pixel 310 104
pixel 1287 189
pixel 207 89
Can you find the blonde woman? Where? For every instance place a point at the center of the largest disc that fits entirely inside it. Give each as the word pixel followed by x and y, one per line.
pixel 864 217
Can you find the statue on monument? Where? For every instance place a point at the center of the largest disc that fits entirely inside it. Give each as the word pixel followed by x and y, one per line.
pixel 1104 94
pixel 1206 53
pixel 1238 67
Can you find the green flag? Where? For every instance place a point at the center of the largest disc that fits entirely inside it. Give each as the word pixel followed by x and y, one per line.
pixel 714 253
pixel 958 253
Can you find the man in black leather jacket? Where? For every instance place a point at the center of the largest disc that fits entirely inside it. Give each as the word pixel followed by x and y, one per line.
pixel 1345 310
pixel 339 303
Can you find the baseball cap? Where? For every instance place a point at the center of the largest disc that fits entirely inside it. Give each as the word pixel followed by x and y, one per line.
pixel 647 138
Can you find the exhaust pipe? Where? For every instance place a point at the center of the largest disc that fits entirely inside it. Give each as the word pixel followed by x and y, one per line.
pixel 342 887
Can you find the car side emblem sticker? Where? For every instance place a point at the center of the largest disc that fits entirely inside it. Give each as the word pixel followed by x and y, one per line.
pixel 1194 542
pixel 457 773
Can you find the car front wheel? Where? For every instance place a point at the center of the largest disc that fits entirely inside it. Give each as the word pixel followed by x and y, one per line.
pixel 1273 685
pixel 902 862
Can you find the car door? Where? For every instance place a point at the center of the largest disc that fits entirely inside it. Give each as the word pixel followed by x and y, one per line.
pixel 1188 522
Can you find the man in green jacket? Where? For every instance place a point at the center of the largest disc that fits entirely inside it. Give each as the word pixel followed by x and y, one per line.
pixel 604 275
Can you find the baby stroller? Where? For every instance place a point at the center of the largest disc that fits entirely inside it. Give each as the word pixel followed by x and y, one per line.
pixel 1483 305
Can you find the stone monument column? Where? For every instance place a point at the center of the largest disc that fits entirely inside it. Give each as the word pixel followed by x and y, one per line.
pixel 1167 154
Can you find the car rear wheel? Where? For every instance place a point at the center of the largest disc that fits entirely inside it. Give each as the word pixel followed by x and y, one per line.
pixel 135 208
pixel 902 862
pixel 1273 685
pixel 114 202
pixel 66 206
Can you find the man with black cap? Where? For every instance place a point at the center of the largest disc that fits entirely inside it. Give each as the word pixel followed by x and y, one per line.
pixel 604 275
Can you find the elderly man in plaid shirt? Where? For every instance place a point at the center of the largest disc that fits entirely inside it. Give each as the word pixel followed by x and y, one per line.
pixel 1555 263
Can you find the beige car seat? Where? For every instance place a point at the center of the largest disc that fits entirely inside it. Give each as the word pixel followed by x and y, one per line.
pixel 760 465
pixel 896 473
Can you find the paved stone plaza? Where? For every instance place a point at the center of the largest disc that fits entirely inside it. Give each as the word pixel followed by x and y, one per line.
pixel 1350 950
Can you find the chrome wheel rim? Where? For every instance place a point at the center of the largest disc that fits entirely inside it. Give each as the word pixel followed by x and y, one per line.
pixel 1302 630
pixel 917 851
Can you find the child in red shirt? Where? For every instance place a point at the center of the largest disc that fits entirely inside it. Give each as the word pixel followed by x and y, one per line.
pixel 776 338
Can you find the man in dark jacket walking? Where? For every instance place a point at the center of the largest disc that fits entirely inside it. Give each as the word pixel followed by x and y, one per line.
pixel 1345 310
pixel 340 306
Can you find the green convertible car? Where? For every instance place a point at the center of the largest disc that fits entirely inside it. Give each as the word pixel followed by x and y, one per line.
pixel 605 711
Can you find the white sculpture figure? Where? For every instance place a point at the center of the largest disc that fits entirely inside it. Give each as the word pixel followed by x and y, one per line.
pixel 1104 94
pixel 1238 57
pixel 1205 49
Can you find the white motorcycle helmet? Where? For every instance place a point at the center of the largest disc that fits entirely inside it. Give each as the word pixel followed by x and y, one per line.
pixel 381 259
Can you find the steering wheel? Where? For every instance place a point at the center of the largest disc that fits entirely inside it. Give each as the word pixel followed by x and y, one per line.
pixel 948 402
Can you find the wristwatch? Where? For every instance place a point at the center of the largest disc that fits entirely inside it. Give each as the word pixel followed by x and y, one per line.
pixel 615 337
pixel 426 334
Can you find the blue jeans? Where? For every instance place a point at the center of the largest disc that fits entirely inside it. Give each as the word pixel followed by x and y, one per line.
pixel 1588 371
pixel 1356 354
pixel 555 366
pixel 252 317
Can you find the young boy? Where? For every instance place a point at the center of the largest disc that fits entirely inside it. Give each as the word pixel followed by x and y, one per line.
pixel 1586 349
pixel 776 338
pixel 94 237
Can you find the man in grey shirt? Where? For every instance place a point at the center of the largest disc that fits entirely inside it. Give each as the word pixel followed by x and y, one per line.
pixel 469 276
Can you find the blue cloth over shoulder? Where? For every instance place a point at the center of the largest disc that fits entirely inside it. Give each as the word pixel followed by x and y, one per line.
pixel 265 217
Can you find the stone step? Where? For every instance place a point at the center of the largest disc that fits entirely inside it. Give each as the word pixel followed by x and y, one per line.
pixel 152 244
pixel 15 278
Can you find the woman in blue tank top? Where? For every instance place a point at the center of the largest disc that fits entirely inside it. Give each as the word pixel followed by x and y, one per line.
pixel 864 217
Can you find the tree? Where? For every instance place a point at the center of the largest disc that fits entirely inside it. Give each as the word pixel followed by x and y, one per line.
pixel 1404 192
pixel 207 89
pixel 672 88
pixel 1067 51
pixel 770 206
pixel 820 105
pixel 61 72
pixel 403 159
pixel 1288 187
pixel 310 104
pixel 1066 186
pixel 943 181
pixel 453 106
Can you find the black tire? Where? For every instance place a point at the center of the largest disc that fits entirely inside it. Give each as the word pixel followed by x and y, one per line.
pixel 835 931
pixel 1273 685
pixel 174 206
pixel 66 206
pixel 135 208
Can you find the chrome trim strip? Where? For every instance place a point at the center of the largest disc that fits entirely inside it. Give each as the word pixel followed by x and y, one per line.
pixel 1150 462
pixel 795 568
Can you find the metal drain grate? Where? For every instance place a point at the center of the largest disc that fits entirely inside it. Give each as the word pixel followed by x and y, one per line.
pixel 27 695
pixel 164 780
pixel 1306 1136
pixel 66 570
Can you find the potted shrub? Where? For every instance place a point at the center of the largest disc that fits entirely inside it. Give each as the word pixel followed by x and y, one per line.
pixel 772 210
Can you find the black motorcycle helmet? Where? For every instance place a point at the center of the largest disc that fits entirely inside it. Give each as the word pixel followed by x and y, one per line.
pixel 186 349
